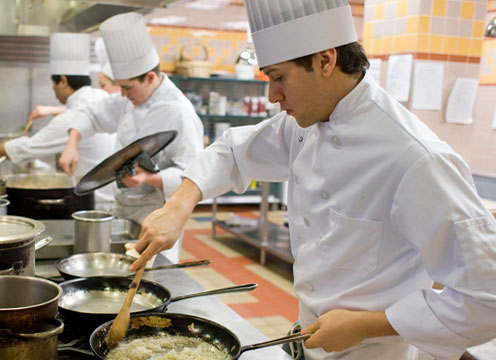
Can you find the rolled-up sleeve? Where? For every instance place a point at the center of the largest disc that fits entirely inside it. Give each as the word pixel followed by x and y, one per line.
pixel 438 211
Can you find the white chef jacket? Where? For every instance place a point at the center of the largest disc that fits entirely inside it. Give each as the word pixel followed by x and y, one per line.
pixel 166 109
pixel 378 208
pixel 53 137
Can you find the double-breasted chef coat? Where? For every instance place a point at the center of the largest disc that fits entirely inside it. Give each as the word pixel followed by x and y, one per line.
pixel 378 208
pixel 166 109
pixel 52 138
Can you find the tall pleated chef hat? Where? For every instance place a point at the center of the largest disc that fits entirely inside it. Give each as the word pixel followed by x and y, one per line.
pixel 129 46
pixel 101 54
pixel 70 54
pixel 284 30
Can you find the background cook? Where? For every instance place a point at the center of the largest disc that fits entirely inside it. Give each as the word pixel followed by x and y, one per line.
pixel 70 70
pixel 378 206
pixel 150 103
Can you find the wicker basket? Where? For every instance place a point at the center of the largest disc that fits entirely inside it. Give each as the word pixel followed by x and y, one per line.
pixel 193 68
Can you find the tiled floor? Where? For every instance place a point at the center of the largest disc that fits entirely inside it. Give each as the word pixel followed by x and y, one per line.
pixel 273 306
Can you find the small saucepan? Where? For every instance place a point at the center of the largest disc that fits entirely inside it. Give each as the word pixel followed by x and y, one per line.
pixel 95 300
pixel 175 325
pixel 107 264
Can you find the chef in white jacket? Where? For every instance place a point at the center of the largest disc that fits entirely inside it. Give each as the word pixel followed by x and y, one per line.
pixel 106 79
pixel 379 208
pixel 70 70
pixel 150 103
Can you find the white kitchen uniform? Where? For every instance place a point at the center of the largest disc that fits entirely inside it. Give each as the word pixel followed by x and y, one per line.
pixel 52 139
pixel 166 109
pixel 378 208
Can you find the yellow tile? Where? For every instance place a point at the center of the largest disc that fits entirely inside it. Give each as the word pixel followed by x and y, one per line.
pixel 467 10
pixel 388 44
pixel 412 24
pixel 478 29
pixel 476 47
pixel 411 43
pixel 439 8
pixel 165 48
pixel 401 8
pixel 379 12
pixel 463 47
pixel 367 30
pixel 379 46
pixel 424 24
pixel 367 46
pixel 436 43
pixel 490 61
pixel 449 46
pixel 423 43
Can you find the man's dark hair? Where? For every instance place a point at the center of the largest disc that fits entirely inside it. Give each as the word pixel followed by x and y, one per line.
pixel 75 81
pixel 351 59
pixel 141 78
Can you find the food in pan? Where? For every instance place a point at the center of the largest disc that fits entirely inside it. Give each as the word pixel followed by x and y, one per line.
pixel 167 347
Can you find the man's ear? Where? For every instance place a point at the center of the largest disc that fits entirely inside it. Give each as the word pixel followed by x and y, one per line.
pixel 63 80
pixel 327 61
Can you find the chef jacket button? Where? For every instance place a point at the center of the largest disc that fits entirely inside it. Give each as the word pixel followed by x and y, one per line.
pixel 306 222
pixel 324 194
pixel 336 142
pixel 300 139
pixel 308 286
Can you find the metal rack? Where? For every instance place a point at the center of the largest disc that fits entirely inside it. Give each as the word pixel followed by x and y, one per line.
pixel 268 237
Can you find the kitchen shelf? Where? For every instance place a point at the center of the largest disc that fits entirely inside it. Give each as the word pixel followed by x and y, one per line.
pixel 268 237
pixel 234 80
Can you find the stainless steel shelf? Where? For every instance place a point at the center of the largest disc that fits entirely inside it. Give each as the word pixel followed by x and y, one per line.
pixel 268 237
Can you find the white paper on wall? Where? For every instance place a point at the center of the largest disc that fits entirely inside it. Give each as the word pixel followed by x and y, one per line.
pixel 375 69
pixel 494 118
pixel 461 101
pixel 427 91
pixel 398 76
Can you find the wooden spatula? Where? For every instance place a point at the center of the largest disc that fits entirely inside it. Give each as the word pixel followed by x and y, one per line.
pixel 26 128
pixel 121 323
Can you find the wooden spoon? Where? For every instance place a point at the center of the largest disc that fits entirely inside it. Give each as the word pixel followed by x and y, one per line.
pixel 121 323
pixel 26 129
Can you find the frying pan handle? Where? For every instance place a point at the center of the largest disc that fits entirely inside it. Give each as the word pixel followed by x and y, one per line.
pixel 281 340
pixel 50 201
pixel 226 290
pixel 182 265
pixel 35 336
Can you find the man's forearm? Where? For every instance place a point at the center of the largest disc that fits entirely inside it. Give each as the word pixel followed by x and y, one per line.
pixel 74 138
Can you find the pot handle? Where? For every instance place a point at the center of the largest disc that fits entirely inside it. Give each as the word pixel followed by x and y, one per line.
pixel 281 340
pixel 40 244
pixel 50 201
pixel 226 290
pixel 35 336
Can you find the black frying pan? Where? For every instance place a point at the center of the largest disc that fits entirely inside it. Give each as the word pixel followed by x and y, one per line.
pixel 107 264
pixel 92 301
pixel 153 324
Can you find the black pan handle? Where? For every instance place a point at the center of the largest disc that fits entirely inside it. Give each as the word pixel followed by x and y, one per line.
pixel 226 290
pixel 281 340
pixel 181 265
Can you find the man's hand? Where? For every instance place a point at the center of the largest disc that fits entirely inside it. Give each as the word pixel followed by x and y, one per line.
pixel 142 176
pixel 69 158
pixel 340 329
pixel 161 229
pixel 42 111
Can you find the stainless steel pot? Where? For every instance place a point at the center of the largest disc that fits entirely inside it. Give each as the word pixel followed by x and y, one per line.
pixel 17 243
pixel 92 231
pixel 29 328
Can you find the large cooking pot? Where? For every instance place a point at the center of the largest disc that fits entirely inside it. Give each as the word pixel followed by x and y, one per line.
pixel 17 243
pixel 45 196
pixel 160 324
pixel 89 302
pixel 28 323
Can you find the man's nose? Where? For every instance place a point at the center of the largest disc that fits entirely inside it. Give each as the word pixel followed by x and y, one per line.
pixel 274 94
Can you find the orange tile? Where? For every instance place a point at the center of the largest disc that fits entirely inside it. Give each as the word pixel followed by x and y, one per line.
pixel 424 24
pixel 401 8
pixel 367 30
pixel 423 43
pixel 379 11
pixel 467 10
pixel 439 8
pixel 478 29
pixel 435 43
pixel 449 45
pixel 463 47
pixel 476 47
pixel 412 24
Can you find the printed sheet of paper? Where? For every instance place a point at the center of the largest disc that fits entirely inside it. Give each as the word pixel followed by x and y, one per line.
pixel 375 69
pixel 461 101
pixel 427 91
pixel 398 76
pixel 494 118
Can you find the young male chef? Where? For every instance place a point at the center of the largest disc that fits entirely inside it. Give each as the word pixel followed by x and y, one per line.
pixel 70 69
pixel 150 103
pixel 378 206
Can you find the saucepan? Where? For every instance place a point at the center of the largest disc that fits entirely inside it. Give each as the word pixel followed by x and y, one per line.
pixel 107 264
pixel 95 300
pixel 178 326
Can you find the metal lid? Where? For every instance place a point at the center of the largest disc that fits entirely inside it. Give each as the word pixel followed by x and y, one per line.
pixel 105 172
pixel 18 228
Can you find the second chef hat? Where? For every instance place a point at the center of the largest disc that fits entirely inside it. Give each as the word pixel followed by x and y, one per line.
pixel 284 30
pixel 70 54
pixel 129 47
pixel 101 54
